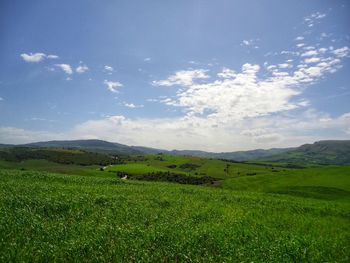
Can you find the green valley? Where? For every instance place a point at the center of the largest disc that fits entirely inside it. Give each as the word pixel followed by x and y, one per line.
pixel 164 211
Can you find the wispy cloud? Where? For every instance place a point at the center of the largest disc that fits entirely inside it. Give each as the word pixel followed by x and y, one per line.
pixel 108 68
pixel 314 18
pixel 66 68
pixel 37 57
pixel 252 43
pixel 81 69
pixel 112 85
pixel 132 105
pixel 182 77
pixel 52 57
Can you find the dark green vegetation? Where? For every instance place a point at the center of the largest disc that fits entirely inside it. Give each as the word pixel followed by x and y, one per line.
pixel 82 211
pixel 238 156
pixel 323 152
pixel 170 177
pixel 89 145
pixel 63 156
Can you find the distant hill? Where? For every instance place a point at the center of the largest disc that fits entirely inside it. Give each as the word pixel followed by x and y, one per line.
pixel 322 152
pixel 89 145
pixel 101 146
pixel 237 156
pixel 5 145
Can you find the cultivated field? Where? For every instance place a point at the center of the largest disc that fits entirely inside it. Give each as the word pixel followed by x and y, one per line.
pixel 256 214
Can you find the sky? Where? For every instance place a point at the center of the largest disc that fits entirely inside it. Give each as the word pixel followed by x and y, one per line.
pixel 207 75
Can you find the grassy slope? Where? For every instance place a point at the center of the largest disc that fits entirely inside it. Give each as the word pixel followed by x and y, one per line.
pixel 215 168
pixel 322 152
pixel 44 165
pixel 321 182
pixel 108 219
pixel 46 217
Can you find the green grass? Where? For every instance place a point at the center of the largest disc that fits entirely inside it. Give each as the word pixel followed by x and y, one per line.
pixel 135 168
pixel 214 168
pixel 66 213
pixel 328 176
pixel 68 218
pixel 44 165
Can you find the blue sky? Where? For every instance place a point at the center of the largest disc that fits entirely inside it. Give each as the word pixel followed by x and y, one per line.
pixel 209 75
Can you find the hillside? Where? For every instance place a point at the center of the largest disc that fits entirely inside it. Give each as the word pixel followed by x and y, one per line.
pixel 56 155
pixel 117 148
pixel 69 218
pixel 322 152
pixel 237 156
pixel 90 145
pixel 168 209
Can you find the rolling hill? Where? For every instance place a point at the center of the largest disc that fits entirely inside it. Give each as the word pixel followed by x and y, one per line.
pixel 322 152
pixel 89 145
pixel 101 146
pixel 237 156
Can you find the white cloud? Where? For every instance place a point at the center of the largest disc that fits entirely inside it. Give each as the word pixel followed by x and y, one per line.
pixel 314 18
pixel 132 105
pixel 53 57
pixel 324 35
pixel 40 119
pixel 227 73
pixel 1 99
pixel 312 60
pixel 147 59
pixel 300 38
pixel 250 43
pixel 237 95
pixel 183 77
pixel 309 48
pixel 341 52
pixel 284 65
pixel 81 69
pixel 309 53
pixel 36 57
pixel 112 85
pixel 271 67
pixel 152 100
pixel 65 67
pixel 268 138
pixel 108 68
pixel 246 42
pixel 200 133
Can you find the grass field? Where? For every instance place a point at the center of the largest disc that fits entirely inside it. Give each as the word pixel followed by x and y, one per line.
pixel 69 213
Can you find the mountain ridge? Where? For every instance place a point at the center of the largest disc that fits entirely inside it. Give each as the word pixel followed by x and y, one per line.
pixel 323 152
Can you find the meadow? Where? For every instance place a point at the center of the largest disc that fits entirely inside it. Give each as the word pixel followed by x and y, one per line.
pixel 72 213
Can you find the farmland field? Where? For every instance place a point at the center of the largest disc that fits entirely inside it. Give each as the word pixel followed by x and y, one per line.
pixel 258 214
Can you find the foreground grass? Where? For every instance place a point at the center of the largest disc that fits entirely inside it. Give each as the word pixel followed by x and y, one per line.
pixel 54 217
